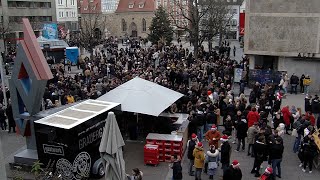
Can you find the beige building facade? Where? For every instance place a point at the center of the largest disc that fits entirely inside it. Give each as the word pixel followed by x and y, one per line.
pixel 284 35
pixel 129 24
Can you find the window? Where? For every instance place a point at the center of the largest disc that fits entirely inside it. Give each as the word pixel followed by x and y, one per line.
pixel 234 22
pixel 34 4
pixel 141 5
pixel 124 25
pixel 165 3
pixel 234 11
pixel 144 25
pixel 62 14
pixel 158 3
pixel 60 2
pixel 131 5
pixel 45 4
pixel 72 2
pixel 67 14
pixel 12 4
pixel 22 4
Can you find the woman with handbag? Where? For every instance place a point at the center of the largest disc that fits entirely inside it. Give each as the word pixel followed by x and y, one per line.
pixel 212 157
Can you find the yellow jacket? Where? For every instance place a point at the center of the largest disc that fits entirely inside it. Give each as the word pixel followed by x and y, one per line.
pixel 198 157
pixel 306 81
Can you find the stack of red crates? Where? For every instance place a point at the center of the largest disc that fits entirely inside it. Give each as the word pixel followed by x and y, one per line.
pixel 151 154
pixel 167 146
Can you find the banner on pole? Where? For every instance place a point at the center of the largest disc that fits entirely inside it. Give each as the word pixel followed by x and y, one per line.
pixel 237 75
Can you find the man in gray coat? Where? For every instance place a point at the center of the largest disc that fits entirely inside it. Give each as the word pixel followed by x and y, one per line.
pixel 252 131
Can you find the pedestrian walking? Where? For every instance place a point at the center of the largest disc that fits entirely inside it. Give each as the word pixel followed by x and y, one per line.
pixel 259 155
pixel 267 175
pixel 233 172
pixel 286 117
pixel 301 83
pixel 275 156
pixel 310 150
pixel 225 152
pixel 212 158
pixel 191 144
pixel 242 129
pixel 234 51
pixel 306 83
pixel 176 168
pixel 198 160
pixel 315 106
pixel 294 81
pixel 3 123
pixel 11 122
pixel 252 132
pixel 213 136
pixel 253 116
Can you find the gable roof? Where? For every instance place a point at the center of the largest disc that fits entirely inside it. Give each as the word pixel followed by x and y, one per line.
pixel 123 6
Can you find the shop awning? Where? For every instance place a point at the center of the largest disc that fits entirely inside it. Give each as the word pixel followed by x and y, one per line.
pixel 142 96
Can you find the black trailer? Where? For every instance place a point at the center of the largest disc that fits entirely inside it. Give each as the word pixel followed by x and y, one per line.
pixel 70 139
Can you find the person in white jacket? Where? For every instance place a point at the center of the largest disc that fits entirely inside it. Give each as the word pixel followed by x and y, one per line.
pixel 212 158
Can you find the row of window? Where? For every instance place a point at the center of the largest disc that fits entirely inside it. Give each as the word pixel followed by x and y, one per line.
pixel 18 19
pixel 124 25
pixel 25 4
pixel 67 14
pixel 72 2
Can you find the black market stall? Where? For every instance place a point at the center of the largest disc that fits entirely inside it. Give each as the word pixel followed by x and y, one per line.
pixel 69 139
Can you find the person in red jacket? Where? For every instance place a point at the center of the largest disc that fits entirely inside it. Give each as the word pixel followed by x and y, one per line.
pixel 253 116
pixel 311 118
pixel 286 117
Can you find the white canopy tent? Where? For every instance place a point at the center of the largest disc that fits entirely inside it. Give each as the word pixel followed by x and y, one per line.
pixel 142 96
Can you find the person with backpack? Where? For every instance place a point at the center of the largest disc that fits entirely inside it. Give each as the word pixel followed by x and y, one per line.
pixel 191 144
pixel 212 158
pixel 267 175
pixel 176 168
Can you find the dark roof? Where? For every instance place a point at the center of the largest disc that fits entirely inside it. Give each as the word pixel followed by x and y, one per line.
pixel 138 6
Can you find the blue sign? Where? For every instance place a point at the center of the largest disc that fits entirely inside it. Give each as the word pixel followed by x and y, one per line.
pixel 50 31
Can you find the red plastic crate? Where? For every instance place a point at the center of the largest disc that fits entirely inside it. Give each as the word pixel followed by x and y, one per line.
pixel 151 154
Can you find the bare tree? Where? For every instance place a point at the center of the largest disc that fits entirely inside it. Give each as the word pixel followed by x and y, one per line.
pixel 4 29
pixel 192 11
pixel 205 19
pixel 91 27
pixel 216 21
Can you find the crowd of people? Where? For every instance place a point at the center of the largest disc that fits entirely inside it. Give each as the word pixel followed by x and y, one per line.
pixel 216 114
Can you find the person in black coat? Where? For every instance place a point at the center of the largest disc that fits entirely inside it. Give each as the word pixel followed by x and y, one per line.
pixel 225 153
pixel 176 168
pixel 309 149
pixel 301 83
pixel 315 106
pixel 277 120
pixel 3 123
pixel 12 123
pixel 242 128
pixel 307 104
pixel 233 172
pixel 275 155
pixel 259 155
